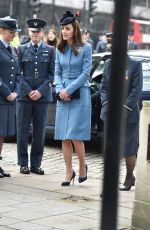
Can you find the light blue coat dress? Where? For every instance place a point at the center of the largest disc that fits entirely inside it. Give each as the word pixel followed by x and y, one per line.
pixel 73 118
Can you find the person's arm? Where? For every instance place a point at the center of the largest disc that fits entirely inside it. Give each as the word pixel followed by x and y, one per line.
pixel 44 88
pixel 17 81
pixel 23 84
pixel 86 69
pixel 4 89
pixel 135 87
pixel 104 84
pixel 58 82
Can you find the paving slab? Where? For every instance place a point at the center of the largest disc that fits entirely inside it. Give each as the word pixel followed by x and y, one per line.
pixel 33 202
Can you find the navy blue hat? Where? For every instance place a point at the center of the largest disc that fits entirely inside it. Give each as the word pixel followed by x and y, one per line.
pixel 67 18
pixel 9 23
pixel 36 24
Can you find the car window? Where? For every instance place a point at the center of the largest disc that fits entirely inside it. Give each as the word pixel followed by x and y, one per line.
pixel 99 70
pixel 145 67
pixel 146 75
pixel 146 72
pixel 99 63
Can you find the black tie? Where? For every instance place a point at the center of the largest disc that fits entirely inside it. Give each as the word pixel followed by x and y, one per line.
pixel 35 47
pixel 9 49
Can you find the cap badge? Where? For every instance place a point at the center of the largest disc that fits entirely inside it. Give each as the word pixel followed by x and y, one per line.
pixel 35 23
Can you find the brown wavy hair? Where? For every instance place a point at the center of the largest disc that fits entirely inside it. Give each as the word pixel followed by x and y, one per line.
pixel 55 41
pixel 77 39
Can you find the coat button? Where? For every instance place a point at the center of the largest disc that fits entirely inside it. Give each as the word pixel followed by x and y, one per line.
pixel 12 60
pixel 35 56
pixel 12 67
pixel 11 75
pixel 35 63
pixel 35 69
pixel 10 82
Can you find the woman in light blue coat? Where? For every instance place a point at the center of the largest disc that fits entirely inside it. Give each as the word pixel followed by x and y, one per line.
pixel 73 112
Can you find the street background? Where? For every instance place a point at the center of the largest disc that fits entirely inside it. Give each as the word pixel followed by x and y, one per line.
pixel 93 15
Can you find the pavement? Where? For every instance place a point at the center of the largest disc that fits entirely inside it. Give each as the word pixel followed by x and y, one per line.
pixel 33 202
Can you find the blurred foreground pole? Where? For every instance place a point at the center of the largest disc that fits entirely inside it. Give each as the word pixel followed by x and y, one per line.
pixel 114 125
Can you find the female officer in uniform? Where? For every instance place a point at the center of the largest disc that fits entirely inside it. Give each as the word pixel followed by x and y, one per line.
pixel 73 112
pixel 133 83
pixel 9 79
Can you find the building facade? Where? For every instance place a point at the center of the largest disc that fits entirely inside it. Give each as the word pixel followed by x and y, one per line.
pixel 51 10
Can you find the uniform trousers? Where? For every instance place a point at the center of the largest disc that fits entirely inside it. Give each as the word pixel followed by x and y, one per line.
pixel 28 113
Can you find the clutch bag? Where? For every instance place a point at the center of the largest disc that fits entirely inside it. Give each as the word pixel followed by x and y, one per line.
pixel 74 95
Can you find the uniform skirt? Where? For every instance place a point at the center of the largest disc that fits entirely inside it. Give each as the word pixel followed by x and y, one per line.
pixel 7 120
pixel 131 139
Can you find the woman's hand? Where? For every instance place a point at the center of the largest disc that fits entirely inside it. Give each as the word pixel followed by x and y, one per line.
pixel 11 97
pixel 64 95
pixel 15 95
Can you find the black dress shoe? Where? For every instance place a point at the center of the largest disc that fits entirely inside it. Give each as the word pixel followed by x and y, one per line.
pixel 3 173
pixel 37 170
pixel 129 182
pixel 0 157
pixel 24 170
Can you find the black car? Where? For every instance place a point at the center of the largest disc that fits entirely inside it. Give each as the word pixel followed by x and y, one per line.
pixel 95 81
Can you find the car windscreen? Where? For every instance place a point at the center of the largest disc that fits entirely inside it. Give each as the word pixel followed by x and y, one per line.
pixel 98 63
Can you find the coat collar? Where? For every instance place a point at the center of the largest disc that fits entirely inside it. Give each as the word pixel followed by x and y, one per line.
pixel 41 48
pixel 2 46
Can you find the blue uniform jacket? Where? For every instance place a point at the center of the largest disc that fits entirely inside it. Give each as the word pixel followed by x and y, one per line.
pixel 9 73
pixel 37 71
pixel 133 84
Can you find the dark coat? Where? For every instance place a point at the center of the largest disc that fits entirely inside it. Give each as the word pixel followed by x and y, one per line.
pixel 9 73
pixel 134 82
pixel 37 71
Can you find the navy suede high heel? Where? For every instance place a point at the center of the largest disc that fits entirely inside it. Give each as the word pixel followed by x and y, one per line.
pixel 67 183
pixel 128 184
pixel 82 179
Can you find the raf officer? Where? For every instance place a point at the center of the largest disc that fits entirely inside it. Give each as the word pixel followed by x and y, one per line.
pixel 37 65
pixel 133 83
pixel 9 81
